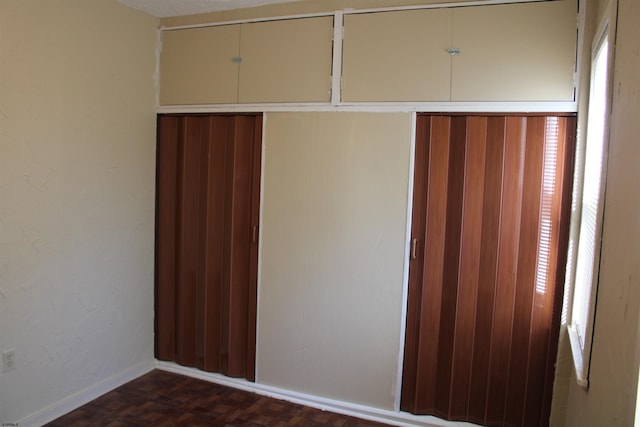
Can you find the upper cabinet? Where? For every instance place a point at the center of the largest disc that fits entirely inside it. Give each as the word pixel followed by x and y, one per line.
pixel 275 61
pixel 517 52
pixel 197 65
pixel 509 52
pixel 514 52
pixel 397 56
pixel 286 61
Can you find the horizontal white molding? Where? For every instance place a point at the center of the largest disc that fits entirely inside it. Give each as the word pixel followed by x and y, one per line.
pixel 402 419
pixel 245 108
pixel 85 396
pixel 347 11
pixel 248 21
pixel 438 6
pixel 387 107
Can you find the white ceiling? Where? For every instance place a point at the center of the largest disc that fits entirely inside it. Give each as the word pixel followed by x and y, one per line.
pixel 165 8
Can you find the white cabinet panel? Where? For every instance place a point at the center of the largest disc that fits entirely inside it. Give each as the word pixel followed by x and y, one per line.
pixel 286 61
pixel 514 52
pixel 333 243
pixel 397 56
pixel 275 61
pixel 197 67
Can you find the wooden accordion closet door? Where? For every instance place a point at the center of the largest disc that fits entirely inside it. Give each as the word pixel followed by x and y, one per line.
pixel 208 192
pixel 490 231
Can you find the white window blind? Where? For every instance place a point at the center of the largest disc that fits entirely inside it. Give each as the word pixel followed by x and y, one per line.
pixel 592 201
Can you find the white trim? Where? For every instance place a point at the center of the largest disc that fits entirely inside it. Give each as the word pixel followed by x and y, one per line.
pixel 581 351
pixel 401 419
pixel 336 70
pixel 347 11
pixel 388 107
pixel 599 230
pixel 577 176
pixel 249 21
pixel 635 407
pixel 85 396
pixel 438 6
pixel 580 47
pixel 467 106
pixel 582 377
pixel 260 226
pixel 407 260
pixel 156 71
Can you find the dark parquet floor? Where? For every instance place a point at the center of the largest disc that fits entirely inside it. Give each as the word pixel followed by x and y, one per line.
pixel 162 398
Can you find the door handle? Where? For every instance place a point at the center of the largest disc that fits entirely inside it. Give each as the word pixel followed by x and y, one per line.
pixel 414 246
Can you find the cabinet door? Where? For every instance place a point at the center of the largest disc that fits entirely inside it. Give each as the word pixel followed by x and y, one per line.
pixel 514 52
pixel 397 56
pixel 197 65
pixel 286 61
pixel 491 208
pixel 208 206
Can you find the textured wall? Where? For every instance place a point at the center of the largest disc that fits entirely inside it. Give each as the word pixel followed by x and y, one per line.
pixel 77 138
pixel 334 233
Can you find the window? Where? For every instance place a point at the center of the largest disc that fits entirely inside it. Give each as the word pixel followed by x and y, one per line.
pixel 589 200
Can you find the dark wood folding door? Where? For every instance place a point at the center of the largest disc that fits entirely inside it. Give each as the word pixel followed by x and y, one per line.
pixel 490 227
pixel 208 192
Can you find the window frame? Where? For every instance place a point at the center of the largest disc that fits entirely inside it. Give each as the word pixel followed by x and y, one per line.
pixel 581 351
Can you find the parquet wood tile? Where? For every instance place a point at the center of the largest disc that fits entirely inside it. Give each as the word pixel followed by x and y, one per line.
pixel 165 399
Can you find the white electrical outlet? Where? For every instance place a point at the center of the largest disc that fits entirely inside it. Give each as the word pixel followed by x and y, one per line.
pixel 8 360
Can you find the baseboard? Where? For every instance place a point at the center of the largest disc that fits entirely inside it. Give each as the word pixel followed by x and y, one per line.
pixel 82 397
pixel 401 419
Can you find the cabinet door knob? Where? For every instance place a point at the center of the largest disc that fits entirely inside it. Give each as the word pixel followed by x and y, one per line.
pixel 453 51
pixel 236 59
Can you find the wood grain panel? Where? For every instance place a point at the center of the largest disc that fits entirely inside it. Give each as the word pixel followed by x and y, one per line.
pixel 487 270
pixel 452 234
pixel 469 265
pixel 208 201
pixel 187 231
pixel 526 273
pixel 217 177
pixel 506 268
pixel 418 226
pixel 562 201
pixel 434 238
pixel 491 206
pixel 239 229
pixel 165 267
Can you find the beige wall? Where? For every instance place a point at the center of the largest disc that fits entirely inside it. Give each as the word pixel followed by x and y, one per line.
pixel 333 250
pixel 77 137
pixel 610 400
pixel 76 222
